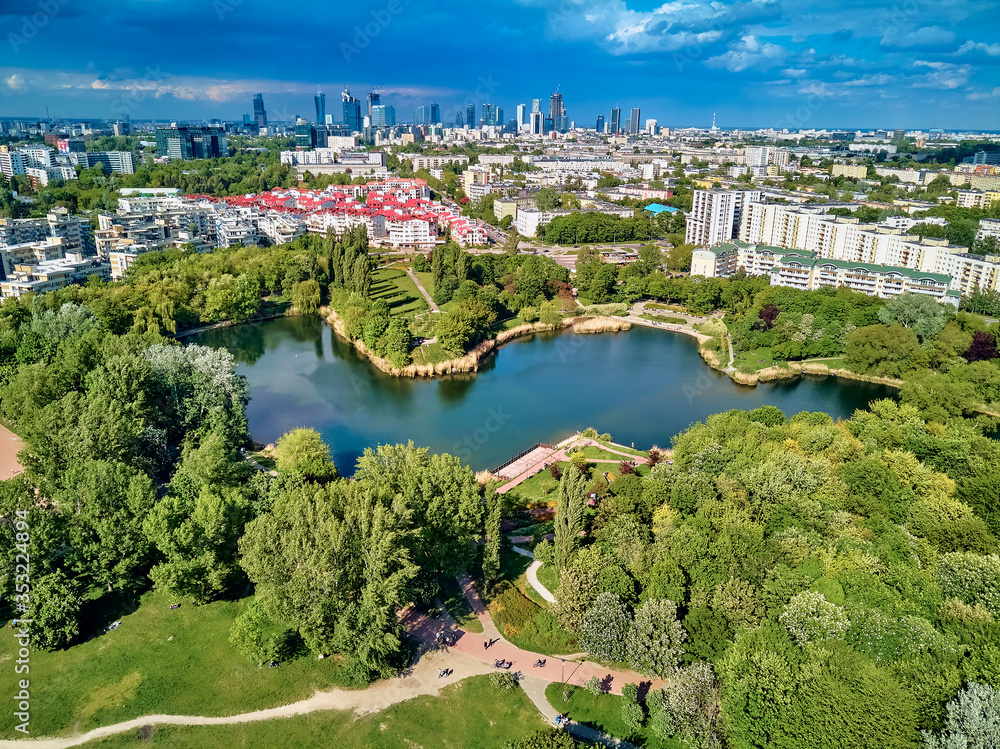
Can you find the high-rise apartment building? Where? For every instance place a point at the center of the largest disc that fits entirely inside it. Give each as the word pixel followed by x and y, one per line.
pixel 259 113
pixel 715 215
pixel 616 121
pixel 757 155
pixel 320 100
pixel 352 111
pixel 634 121
pixel 556 111
pixel 652 126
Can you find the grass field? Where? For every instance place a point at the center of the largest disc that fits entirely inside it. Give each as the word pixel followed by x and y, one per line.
pixel 397 289
pixel 596 453
pixel 470 714
pixel 431 353
pixel 548 575
pixel 426 280
pixel 602 712
pixel 137 670
pixel 539 488
pixel 671 307
pixel 664 319
pixel 458 606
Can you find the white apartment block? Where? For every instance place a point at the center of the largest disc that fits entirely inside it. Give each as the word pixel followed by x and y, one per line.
pixel 808 271
pixel 438 161
pixel 852 171
pixel 50 275
pixel 716 215
pixel 410 232
pixel 11 164
pixel 989 227
pixel 976 199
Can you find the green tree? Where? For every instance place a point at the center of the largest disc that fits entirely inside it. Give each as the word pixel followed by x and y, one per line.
pixel 655 640
pixel 53 609
pixel 304 451
pixel 569 515
pixel 973 720
pixel 605 625
pixel 229 298
pixel 306 296
pixel 918 312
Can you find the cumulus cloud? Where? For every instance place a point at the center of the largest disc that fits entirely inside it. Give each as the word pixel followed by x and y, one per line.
pixel 993 50
pixel 928 36
pixel 944 75
pixel 979 95
pixel 15 82
pixel 748 52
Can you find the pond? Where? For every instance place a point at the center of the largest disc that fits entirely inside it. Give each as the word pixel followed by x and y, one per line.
pixel 642 386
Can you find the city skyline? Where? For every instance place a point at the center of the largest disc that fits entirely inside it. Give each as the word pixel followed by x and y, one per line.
pixel 755 64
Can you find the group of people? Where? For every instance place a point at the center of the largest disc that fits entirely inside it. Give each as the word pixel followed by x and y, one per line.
pixel 540 663
pixel 500 663
pixel 449 638
pixel 445 672
pixel 487 644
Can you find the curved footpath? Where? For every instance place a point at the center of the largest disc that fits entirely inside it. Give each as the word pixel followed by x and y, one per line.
pixel 467 657
pixel 532 575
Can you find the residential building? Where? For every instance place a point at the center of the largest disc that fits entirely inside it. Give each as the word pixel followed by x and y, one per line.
pixel 651 127
pixel 117 162
pixel 988 227
pixel 11 163
pixel 851 171
pixel 436 161
pixel 716 215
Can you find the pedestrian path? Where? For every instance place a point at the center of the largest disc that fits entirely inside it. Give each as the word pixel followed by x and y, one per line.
pixel 560 456
pixel 422 290
pixel 535 689
pixel 532 575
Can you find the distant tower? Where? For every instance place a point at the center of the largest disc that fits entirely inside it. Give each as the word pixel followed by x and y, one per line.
pixel 616 121
pixel 259 113
pixel 374 99
pixel 352 111
pixel 470 116
pixel 556 110
pixel 320 99
pixel 714 128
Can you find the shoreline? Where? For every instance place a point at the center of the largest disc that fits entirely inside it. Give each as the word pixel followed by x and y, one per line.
pixel 581 324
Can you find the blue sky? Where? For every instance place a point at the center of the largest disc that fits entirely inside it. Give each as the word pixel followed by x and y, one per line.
pixel 760 63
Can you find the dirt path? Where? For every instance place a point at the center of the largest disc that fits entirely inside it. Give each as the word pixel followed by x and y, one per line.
pixel 420 287
pixel 10 446
pixel 421 680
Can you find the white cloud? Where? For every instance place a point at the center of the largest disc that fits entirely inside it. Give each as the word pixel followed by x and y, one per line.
pixel 928 36
pixel 15 82
pixel 993 50
pixel 879 79
pixel 794 72
pixel 748 52
pixel 979 95
pixel 944 75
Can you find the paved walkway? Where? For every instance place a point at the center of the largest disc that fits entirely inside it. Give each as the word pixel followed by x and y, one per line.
pixel 422 290
pixel 535 689
pixel 532 575
pixel 560 456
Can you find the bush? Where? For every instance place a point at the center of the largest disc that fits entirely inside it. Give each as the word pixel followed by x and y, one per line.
pixel 809 617
pixel 593 685
pixel 545 552
pixel 503 681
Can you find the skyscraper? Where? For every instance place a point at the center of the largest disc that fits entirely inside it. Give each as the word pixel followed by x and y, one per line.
pixel 259 113
pixel 556 110
pixel 470 115
pixel 435 114
pixel 536 105
pixel 489 114
pixel 498 116
pixel 616 121
pixel 320 100
pixel 458 119
pixel 352 111
pixel 536 122
pixel 600 124
pixel 383 116
pixel 634 122
pixel 374 99
pixel 521 111
pixel 421 115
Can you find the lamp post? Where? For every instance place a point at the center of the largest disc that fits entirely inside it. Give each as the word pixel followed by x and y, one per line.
pixel 563 670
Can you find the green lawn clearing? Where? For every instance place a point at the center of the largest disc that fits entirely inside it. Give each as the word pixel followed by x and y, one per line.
pixel 548 575
pixel 603 712
pixel 156 661
pixel 397 289
pixel 470 714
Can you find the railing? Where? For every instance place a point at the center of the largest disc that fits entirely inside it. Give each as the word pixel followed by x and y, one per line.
pixel 521 455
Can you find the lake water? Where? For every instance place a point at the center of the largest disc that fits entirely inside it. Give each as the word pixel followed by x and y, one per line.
pixel 642 386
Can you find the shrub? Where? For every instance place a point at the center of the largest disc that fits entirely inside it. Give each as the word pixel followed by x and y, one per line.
pixel 545 552
pixel 605 625
pixel 593 685
pixel 503 681
pixel 809 617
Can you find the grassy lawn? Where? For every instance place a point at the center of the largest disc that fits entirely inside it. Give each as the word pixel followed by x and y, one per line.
pixel 458 606
pixel 469 714
pixel 432 353
pixel 756 360
pixel 596 453
pixel 265 459
pixel 136 670
pixel 397 289
pixel 602 712
pixel 539 488
pixel 664 319
pixel 426 279
pixel 548 576
pixel 671 307
pixel 834 363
